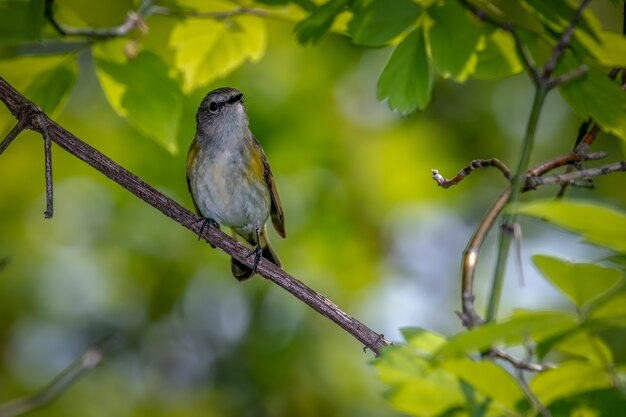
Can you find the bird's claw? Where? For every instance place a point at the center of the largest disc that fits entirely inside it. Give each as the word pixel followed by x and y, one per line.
pixel 257 252
pixel 205 223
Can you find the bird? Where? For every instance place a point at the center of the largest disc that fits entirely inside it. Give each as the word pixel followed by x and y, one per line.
pixel 230 179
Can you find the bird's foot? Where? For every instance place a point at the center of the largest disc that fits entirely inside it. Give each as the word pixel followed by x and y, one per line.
pixel 205 223
pixel 257 252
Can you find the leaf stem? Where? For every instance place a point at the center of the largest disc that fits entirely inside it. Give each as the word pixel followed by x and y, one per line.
pixel 504 243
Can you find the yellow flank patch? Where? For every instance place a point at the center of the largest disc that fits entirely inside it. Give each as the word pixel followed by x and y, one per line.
pixel 256 164
pixel 191 155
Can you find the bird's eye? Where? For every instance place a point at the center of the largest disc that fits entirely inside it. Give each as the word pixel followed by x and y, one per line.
pixel 213 107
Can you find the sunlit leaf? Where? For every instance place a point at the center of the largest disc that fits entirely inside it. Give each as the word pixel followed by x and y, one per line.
pixel 498 59
pixel 311 29
pixel 207 49
pixel 21 20
pixel 534 325
pixel 377 22
pixel 568 379
pixel 487 378
pixel 398 364
pixel 586 346
pixel 46 81
pixel 598 224
pixel 406 79
pixel 612 312
pixel 581 282
pixel 558 14
pixel 507 11
pixel 423 340
pixel 609 49
pixel 141 91
pixel 453 39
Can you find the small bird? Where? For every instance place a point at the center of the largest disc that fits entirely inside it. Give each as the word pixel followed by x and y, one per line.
pixel 230 179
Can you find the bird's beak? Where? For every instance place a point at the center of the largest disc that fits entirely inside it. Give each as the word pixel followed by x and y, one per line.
pixel 235 99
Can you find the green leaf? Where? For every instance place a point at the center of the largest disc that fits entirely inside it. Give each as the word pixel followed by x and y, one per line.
pixel 21 20
pixel 535 325
pixel 207 49
pixel 598 224
pixel 429 396
pixel 569 379
pixel 581 282
pixel 377 22
pixel 586 346
pixel 453 40
pixel 399 364
pixel 406 79
pixel 46 81
pixel 487 378
pixel 141 91
pixel 609 48
pixel 423 340
pixel 558 14
pixel 612 312
pixel 595 95
pixel 498 59
pixel 606 402
pixel 507 11
pixel 311 29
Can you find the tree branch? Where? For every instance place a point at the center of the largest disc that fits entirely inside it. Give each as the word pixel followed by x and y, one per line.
pixel 90 359
pixel 569 177
pixel 134 19
pixel 474 165
pixel 34 117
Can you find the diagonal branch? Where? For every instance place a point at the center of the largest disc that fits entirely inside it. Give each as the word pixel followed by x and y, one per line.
pixel 66 140
pixel 90 359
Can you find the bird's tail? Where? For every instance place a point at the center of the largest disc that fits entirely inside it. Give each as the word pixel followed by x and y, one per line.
pixel 242 272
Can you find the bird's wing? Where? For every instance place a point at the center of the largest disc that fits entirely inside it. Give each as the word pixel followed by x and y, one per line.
pixel 190 156
pixel 276 210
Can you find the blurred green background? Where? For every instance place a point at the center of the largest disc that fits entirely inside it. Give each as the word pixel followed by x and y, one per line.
pixel 366 226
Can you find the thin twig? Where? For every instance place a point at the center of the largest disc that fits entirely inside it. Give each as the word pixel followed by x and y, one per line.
pixel 17 129
pixel 90 359
pixel 567 159
pixel 564 41
pixel 474 165
pixel 66 140
pixel 48 166
pixel 526 364
pixel 568 76
pixel 134 19
pixel 219 15
pixel 570 177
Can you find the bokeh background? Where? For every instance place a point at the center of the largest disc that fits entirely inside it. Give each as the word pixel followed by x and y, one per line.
pixel 366 226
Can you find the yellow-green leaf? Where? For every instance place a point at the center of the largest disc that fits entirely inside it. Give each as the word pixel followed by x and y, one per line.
pixel 207 49
pixel 598 224
pixel 487 378
pixel 141 91
pixel 581 282
pixel 535 325
pixel 568 379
